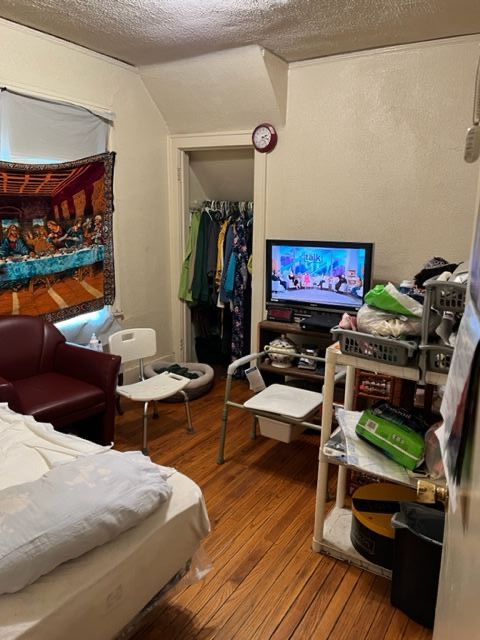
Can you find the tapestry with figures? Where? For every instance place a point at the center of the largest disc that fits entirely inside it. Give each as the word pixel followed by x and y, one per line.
pixel 56 245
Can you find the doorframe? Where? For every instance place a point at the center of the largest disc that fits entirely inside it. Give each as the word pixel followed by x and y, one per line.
pixel 178 146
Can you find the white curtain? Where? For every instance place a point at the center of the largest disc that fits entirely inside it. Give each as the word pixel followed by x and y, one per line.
pixel 36 131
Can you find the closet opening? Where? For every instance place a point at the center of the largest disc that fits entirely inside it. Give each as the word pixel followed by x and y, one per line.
pixel 216 278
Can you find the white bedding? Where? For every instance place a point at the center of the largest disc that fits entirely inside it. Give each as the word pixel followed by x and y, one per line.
pixel 97 594
pixel 28 448
pixel 73 508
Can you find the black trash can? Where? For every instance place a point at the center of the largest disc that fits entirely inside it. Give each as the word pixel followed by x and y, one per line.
pixel 417 552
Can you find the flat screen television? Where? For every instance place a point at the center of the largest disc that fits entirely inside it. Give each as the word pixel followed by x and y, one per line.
pixel 310 276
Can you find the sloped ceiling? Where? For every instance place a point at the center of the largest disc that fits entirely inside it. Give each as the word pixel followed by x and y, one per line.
pixel 145 32
pixel 222 91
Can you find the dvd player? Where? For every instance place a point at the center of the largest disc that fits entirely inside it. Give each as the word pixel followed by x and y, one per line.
pixel 320 321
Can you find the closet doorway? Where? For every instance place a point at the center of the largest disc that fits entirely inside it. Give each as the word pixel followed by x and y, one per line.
pixel 221 167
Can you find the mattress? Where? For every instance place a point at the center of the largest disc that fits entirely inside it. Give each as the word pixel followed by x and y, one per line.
pixel 96 595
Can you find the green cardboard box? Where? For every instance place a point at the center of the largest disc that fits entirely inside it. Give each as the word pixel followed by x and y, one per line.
pixel 397 441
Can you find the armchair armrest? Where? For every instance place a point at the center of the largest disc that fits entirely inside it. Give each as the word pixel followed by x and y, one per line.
pixel 96 368
pixel 9 395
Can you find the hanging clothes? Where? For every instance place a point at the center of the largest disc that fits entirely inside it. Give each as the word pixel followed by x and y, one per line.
pixel 226 289
pixel 215 281
pixel 203 285
pixel 220 244
pixel 186 276
pixel 241 327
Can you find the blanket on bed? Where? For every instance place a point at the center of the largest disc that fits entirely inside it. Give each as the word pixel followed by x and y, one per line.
pixel 28 448
pixel 73 508
pixel 61 496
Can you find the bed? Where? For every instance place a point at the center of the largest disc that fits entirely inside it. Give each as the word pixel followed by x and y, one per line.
pixel 97 594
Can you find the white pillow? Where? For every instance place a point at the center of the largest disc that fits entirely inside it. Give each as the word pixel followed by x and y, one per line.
pixel 73 508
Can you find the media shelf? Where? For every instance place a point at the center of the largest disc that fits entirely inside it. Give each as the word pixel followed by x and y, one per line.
pixel 268 330
pixel 293 372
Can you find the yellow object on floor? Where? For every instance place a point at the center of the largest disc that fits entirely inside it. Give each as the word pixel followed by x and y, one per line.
pixel 373 506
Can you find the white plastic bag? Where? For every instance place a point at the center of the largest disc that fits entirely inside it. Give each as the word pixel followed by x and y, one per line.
pixel 381 323
pixel 390 325
pixel 433 453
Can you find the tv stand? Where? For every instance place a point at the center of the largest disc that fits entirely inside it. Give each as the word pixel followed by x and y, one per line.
pixel 268 330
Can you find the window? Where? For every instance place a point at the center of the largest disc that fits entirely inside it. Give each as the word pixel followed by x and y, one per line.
pixel 36 131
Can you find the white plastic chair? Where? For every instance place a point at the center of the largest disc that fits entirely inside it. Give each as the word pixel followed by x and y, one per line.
pixel 137 344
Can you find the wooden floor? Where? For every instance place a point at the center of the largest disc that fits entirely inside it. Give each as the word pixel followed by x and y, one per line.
pixel 266 582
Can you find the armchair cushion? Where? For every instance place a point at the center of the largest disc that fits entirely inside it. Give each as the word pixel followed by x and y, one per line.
pixel 53 397
pixel 7 393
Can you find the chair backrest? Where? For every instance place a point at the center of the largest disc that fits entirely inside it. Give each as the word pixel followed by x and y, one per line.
pixel 28 346
pixel 133 344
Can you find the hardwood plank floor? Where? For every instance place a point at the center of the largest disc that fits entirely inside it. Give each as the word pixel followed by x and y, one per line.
pixel 266 582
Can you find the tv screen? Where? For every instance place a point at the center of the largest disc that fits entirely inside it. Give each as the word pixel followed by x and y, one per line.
pixel 309 275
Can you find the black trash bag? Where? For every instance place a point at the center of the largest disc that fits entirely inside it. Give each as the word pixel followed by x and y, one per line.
pixel 422 520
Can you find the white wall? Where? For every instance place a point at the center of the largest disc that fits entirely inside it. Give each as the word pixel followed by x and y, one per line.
pixel 34 62
pixel 221 174
pixel 223 91
pixel 372 150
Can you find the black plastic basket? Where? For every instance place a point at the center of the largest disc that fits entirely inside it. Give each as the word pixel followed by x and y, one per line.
pixel 365 345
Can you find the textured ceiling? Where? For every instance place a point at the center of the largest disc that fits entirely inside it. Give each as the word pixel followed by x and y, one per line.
pixel 153 31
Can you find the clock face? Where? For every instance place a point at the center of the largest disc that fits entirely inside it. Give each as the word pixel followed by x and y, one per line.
pixel 264 137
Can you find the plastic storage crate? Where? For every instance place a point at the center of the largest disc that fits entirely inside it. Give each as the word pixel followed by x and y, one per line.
pixel 440 297
pixel 437 357
pixel 446 296
pixel 365 345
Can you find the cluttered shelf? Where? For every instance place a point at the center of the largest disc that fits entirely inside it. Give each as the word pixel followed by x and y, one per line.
pixel 332 530
pixel 290 334
pixel 294 372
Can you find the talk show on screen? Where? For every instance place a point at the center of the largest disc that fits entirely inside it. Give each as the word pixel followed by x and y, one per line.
pixel 318 275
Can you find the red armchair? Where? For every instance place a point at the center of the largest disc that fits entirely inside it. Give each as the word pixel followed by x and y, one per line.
pixel 43 376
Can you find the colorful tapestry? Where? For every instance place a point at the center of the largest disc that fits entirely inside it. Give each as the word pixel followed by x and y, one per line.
pixel 56 244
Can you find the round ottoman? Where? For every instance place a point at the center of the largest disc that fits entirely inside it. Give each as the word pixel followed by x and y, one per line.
pixel 195 388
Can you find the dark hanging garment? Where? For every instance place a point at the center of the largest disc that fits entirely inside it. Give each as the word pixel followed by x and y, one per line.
pixel 203 284
pixel 240 250
pixel 200 277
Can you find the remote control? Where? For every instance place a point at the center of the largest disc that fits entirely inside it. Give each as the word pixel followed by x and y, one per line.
pixel 255 379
